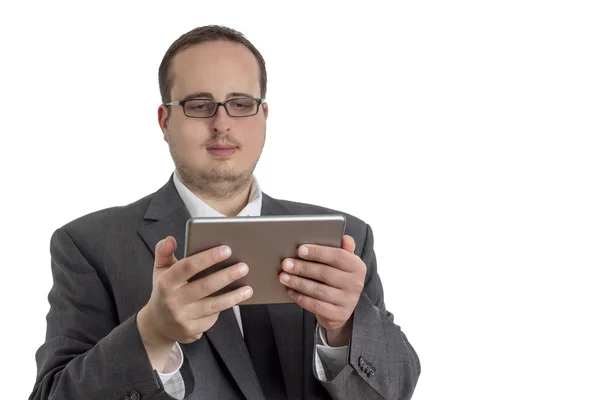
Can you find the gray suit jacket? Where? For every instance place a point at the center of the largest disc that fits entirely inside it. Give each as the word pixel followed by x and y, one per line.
pixel 102 269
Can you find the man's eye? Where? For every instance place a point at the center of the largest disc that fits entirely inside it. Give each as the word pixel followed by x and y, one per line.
pixel 240 105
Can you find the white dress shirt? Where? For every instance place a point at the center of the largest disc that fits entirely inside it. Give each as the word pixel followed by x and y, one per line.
pixel 333 357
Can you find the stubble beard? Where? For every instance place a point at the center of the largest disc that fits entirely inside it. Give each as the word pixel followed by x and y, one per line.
pixel 219 183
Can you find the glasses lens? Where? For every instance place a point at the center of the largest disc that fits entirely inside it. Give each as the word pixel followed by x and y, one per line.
pixel 199 108
pixel 242 107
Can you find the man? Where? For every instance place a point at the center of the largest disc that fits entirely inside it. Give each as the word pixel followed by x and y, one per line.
pixel 124 321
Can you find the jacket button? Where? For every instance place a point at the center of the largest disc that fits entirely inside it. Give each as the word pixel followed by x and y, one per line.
pixel 134 395
pixel 126 398
pixel 361 362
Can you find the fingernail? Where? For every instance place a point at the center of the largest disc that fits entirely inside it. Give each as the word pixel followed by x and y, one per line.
pixel 303 251
pixel 243 269
pixel 285 278
pixel 290 292
pixel 288 265
pixel 226 251
pixel 247 292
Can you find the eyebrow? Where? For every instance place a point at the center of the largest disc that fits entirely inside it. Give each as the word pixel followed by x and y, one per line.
pixel 208 95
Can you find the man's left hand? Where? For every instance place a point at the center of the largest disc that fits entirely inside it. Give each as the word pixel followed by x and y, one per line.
pixel 327 281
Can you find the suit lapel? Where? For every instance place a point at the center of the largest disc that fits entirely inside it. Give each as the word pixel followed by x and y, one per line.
pixel 227 339
pixel 166 215
pixel 172 225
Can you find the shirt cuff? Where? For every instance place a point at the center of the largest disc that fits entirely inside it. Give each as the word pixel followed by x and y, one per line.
pixel 173 364
pixel 329 361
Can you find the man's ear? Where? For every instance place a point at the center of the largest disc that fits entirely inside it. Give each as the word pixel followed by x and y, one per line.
pixel 265 107
pixel 163 119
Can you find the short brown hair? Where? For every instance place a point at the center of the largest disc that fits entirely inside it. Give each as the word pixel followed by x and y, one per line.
pixel 200 35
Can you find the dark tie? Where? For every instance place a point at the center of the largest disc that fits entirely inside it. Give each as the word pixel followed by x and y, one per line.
pixel 258 335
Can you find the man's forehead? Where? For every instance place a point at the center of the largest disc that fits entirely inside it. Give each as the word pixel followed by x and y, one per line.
pixel 211 65
pixel 212 96
pixel 214 54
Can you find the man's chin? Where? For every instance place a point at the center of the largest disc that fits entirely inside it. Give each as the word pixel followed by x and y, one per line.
pixel 223 174
pixel 219 182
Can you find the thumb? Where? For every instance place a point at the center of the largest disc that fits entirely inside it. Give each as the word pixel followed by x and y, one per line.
pixel 164 254
pixel 348 243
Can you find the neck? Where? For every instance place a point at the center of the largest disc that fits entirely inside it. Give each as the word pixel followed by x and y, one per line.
pixel 227 198
pixel 229 207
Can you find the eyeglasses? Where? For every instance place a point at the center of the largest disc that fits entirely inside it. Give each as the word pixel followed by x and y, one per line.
pixel 206 108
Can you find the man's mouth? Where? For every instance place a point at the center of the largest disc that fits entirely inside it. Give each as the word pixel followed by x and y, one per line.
pixel 222 149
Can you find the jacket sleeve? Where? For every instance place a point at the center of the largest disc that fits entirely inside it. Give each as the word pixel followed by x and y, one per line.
pixel 381 362
pixel 87 353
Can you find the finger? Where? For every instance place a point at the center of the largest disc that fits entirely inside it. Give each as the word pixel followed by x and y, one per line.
pixel 190 266
pixel 164 253
pixel 314 289
pixel 203 287
pixel 316 271
pixel 211 305
pixel 332 256
pixel 348 243
pixel 321 308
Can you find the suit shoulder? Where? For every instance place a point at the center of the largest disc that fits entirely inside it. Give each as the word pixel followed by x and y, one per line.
pixel 118 216
pixel 353 223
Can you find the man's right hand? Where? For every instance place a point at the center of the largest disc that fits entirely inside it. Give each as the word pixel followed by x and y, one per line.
pixel 181 311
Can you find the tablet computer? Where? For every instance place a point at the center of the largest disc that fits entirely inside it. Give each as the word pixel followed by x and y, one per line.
pixel 262 243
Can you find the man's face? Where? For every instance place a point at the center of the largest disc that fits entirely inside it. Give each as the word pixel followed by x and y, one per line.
pixel 217 155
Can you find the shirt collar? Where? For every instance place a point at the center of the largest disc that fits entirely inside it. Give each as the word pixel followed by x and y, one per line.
pixel 199 209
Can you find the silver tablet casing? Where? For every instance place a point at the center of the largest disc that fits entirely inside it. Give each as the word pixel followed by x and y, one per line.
pixel 262 243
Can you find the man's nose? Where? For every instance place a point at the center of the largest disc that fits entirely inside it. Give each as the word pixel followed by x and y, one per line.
pixel 221 121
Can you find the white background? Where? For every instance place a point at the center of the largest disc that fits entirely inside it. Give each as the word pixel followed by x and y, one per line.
pixel 464 132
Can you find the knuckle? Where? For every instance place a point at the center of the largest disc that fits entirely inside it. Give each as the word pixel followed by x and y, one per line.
pixel 213 255
pixel 199 260
pixel 232 274
pixel 316 307
pixel 188 267
pixel 301 300
pixel 171 308
pixel 348 315
pixel 337 256
pixel 317 251
pixel 363 273
pixel 358 286
pixel 187 332
pixel 361 279
pixel 357 283
pixel 206 285
pixel 325 274
pixel 178 319
pixel 214 305
pixel 320 290
pixel 212 319
pixel 300 267
pixel 162 286
pixel 296 283
pixel 362 268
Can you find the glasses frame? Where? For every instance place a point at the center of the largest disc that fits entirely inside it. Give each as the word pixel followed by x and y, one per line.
pixel 218 104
